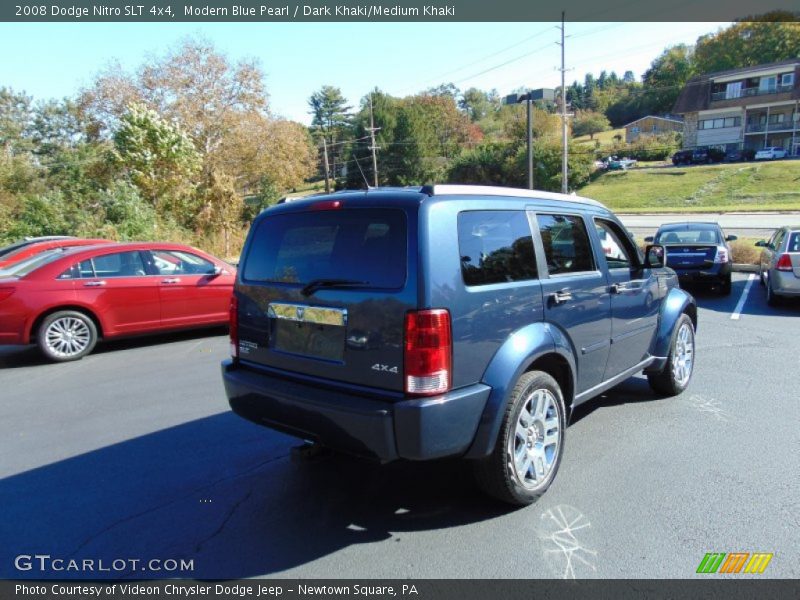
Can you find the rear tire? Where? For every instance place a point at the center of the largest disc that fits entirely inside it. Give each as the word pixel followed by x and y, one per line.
pixel 677 373
pixel 761 277
pixel 530 443
pixel 66 335
pixel 726 286
pixel 772 299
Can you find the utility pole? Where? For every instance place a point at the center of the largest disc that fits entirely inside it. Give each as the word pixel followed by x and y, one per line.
pixel 529 102
pixel 564 168
pixel 327 168
pixel 373 147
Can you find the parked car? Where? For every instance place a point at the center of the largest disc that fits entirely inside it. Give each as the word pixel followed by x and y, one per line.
pixel 31 240
pixel 779 264
pixel 33 248
pixel 682 157
pixel 449 320
pixel 614 163
pixel 705 155
pixel 734 156
pixel 698 252
pixel 65 300
pixel 771 153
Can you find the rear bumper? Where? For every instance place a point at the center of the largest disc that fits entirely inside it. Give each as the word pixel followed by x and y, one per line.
pixel 785 283
pixel 416 429
pixel 716 274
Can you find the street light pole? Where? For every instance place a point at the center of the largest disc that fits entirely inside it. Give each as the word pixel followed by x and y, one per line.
pixel 529 102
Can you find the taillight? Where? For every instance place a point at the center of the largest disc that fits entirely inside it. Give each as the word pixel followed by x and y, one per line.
pixel 722 255
pixel 234 326
pixel 327 205
pixel 428 352
pixel 5 293
pixel 784 264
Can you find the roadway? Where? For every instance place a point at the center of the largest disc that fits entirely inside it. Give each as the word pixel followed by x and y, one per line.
pixel 133 453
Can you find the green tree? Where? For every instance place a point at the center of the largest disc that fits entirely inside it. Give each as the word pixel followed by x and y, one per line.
pixel 771 37
pixel 158 157
pixel 330 120
pixel 489 163
pixel 15 120
pixel 664 80
pixel 588 123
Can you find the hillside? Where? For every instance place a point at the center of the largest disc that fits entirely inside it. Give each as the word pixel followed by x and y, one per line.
pixel 724 187
pixel 606 138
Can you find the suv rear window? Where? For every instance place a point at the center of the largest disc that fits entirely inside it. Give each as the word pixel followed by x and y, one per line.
pixel 366 245
pixel 495 247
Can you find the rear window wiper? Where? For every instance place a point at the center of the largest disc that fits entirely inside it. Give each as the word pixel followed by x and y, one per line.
pixel 316 284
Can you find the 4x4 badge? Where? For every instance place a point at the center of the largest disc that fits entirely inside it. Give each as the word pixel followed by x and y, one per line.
pixel 386 368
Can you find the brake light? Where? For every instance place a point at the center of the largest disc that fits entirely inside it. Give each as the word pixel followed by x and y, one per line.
pixel 428 352
pixel 6 293
pixel 722 255
pixel 234 326
pixel 327 205
pixel 784 264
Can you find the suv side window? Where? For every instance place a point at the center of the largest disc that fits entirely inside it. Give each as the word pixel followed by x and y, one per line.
pixel 496 246
pixel 566 244
pixel 618 253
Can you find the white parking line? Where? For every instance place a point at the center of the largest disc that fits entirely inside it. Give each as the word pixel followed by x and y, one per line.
pixel 740 305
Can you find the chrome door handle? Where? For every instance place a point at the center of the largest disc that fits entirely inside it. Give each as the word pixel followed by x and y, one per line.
pixel 561 296
pixel 171 280
pixel 94 284
pixel 618 288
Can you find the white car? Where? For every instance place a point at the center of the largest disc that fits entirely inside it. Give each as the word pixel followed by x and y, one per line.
pixel 771 153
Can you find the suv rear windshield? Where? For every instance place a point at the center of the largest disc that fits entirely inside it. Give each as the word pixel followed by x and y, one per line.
pixel 367 245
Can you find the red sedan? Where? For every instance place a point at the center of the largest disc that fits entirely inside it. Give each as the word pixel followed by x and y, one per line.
pixel 66 300
pixel 27 250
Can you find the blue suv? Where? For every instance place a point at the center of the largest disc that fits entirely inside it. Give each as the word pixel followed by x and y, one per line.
pixel 440 321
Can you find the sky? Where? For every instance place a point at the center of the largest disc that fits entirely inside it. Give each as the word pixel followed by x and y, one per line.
pixel 54 60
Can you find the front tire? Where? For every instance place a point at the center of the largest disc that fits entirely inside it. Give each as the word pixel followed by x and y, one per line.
pixel 530 444
pixel 677 373
pixel 67 335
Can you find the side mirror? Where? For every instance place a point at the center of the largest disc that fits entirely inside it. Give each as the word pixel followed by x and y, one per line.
pixel 655 256
pixel 761 244
pixel 731 238
pixel 649 239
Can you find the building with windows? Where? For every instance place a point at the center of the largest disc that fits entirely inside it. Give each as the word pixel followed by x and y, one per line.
pixel 651 126
pixel 749 108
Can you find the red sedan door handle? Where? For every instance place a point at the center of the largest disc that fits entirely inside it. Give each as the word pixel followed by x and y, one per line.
pixel 171 280
pixel 94 284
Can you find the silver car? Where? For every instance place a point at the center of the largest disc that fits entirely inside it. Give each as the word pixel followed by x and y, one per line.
pixel 779 266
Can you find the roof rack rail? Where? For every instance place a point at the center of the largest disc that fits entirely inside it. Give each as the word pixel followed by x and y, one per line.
pixel 493 190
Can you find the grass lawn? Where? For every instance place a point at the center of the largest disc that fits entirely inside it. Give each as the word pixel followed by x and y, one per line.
pixel 724 188
pixel 606 137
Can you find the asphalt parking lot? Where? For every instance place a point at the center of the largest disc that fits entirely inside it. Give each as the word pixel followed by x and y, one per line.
pixel 132 453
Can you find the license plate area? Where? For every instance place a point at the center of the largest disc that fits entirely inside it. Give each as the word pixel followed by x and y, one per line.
pixel 309 331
